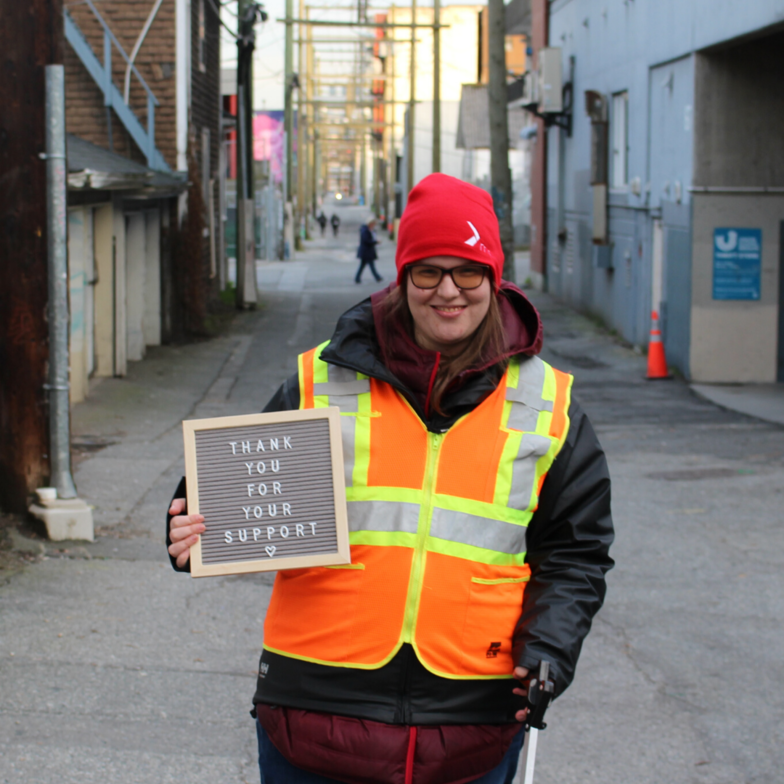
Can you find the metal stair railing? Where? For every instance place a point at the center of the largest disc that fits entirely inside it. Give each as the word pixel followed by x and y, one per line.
pixel 112 97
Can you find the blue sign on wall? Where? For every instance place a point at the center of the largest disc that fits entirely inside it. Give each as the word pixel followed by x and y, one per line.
pixel 737 258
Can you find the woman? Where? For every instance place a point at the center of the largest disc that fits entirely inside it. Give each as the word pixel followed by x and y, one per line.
pixel 366 252
pixel 479 507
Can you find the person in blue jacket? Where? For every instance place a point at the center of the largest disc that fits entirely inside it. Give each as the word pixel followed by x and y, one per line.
pixel 366 252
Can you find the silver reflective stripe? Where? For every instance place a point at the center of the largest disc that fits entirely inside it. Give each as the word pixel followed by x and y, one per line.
pixel 340 388
pixel 522 417
pixel 478 531
pixel 530 386
pixel 348 426
pixel 383 516
pixel 532 447
pixel 343 390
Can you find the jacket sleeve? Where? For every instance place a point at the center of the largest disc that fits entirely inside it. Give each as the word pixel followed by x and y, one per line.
pixel 568 543
pixel 285 399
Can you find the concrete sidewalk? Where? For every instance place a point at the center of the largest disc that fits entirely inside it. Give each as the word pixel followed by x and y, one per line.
pixel 116 669
pixel 763 401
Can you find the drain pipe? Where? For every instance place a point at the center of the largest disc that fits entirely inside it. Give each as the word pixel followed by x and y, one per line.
pixel 137 46
pixel 65 515
pixel 59 425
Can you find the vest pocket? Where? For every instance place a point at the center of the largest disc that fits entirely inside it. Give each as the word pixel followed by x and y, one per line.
pixel 494 607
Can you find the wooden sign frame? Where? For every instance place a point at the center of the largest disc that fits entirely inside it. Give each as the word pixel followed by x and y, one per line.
pixel 342 554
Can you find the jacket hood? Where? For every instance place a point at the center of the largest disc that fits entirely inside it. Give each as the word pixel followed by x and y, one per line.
pixel 367 342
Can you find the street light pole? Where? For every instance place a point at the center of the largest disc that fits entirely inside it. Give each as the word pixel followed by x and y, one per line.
pixel 436 86
pixel 411 102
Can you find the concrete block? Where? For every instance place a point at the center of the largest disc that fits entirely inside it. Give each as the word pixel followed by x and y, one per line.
pixel 65 519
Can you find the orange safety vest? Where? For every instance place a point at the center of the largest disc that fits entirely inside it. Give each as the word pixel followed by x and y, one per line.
pixel 437 525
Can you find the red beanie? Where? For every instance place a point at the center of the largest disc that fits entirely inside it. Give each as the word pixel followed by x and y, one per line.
pixel 448 217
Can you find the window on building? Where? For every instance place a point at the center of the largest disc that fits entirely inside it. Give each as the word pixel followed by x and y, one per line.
pixel 619 129
pixel 202 38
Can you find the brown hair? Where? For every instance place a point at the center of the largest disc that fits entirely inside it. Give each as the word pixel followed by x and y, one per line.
pixel 486 344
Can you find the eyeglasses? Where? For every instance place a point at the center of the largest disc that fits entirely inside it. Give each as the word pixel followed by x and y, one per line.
pixel 427 276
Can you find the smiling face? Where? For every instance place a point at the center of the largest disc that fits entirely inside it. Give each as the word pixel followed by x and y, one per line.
pixel 446 317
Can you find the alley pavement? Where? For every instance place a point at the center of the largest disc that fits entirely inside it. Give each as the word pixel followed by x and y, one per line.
pixel 113 668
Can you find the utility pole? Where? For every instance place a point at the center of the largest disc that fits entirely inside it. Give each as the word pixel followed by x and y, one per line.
pixel 246 294
pixel 31 37
pixel 500 176
pixel 436 86
pixel 288 119
pixel 411 100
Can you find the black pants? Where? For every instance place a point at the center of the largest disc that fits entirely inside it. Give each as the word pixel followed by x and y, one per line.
pixel 362 264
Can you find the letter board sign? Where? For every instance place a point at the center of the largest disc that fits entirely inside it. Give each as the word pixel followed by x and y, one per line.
pixel 271 489
pixel 737 258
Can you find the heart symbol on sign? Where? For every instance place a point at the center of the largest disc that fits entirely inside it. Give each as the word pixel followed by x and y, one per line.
pixel 270 548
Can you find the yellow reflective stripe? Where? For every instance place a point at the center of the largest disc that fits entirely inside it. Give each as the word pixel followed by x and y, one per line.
pixel 482 509
pixel 434 441
pixel 513 373
pixel 545 462
pixel 503 481
pixel 498 581
pixel 477 554
pixel 320 376
pixel 383 538
pixel 362 440
pixel 404 495
pixel 356 665
pixel 347 566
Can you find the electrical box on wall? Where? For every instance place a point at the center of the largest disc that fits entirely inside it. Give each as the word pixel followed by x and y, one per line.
pixel 550 80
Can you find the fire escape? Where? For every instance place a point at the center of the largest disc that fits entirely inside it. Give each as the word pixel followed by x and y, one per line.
pixel 112 97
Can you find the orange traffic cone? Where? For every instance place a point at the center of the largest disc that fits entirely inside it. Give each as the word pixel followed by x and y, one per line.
pixel 657 363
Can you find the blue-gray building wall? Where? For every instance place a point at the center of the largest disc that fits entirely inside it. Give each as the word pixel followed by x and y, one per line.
pixel 648 50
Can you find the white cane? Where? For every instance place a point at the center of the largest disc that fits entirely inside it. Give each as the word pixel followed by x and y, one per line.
pixel 540 693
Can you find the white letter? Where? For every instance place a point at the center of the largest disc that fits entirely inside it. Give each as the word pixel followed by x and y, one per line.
pixel 260 467
pixel 272 510
pixel 227 537
pixel 274 443
pixel 286 529
pixel 249 466
pixel 287 442
pixel 287 510
pixel 245 447
pixel 246 509
pixel 260 447
pixel 250 490
pixel 256 534
pixel 275 466
pixel 257 512
pixel 243 535
pixel 262 489
pixel 313 526
pixel 270 531
pixel 233 445
pixel 300 529
pixel 276 489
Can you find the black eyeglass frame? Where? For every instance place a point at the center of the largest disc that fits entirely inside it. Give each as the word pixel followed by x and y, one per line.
pixel 478 267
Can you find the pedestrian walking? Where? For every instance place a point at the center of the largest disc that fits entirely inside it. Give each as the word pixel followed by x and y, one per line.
pixel 335 222
pixel 322 221
pixel 366 252
pixel 479 510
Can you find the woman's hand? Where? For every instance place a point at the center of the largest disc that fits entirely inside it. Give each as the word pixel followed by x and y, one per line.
pixel 184 530
pixel 521 673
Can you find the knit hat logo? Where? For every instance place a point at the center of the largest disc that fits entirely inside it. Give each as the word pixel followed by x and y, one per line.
pixel 472 240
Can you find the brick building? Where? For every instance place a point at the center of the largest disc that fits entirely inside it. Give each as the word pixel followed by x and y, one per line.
pixel 142 113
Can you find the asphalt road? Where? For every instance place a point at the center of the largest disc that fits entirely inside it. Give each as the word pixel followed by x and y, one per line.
pixel 115 669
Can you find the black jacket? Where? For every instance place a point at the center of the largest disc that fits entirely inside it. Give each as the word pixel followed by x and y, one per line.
pixel 367 244
pixel 568 540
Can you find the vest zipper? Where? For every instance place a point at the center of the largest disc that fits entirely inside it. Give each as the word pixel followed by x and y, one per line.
pixel 423 531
